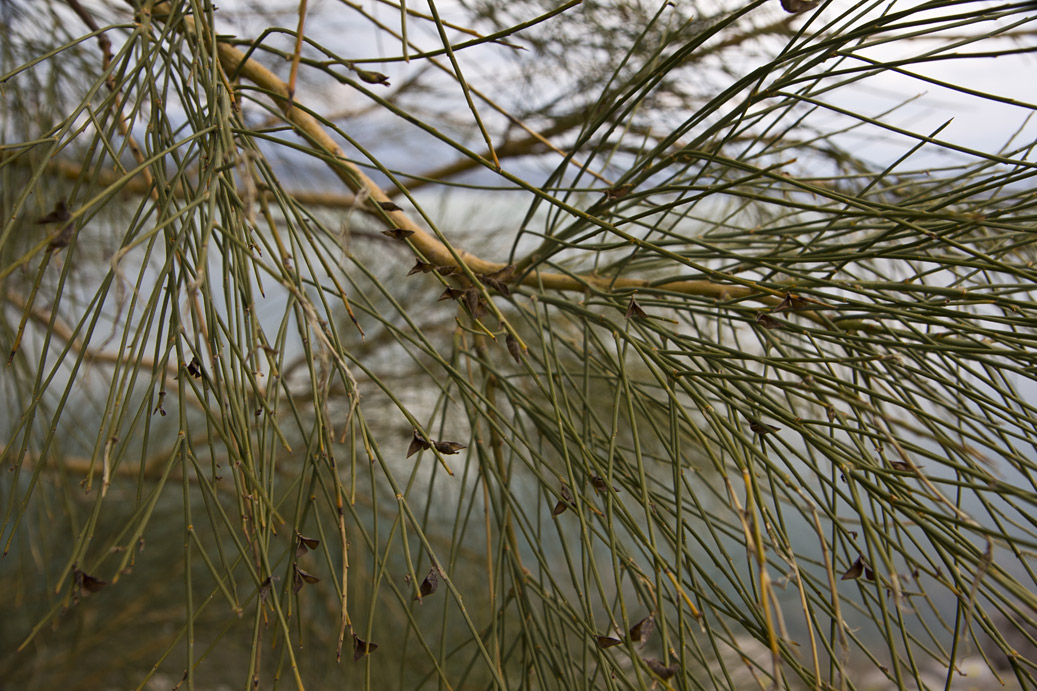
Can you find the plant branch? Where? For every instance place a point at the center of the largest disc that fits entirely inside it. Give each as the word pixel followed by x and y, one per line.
pixel 235 61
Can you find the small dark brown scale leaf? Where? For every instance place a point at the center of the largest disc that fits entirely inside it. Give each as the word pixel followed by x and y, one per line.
pixel 362 648
pixel 768 322
pixel 449 448
pixel 421 267
pixel 640 631
pixel 297 581
pixel 451 294
pixel 565 502
pixel 797 6
pixel 447 270
pixel 305 544
pixel 60 214
pixel 87 582
pixel 62 239
pixel 419 443
pixel 606 641
pixel 398 233
pixel 900 465
pixel 308 577
pixel 500 286
pixel 431 582
pixel 471 300
pixel 498 280
pixel 869 575
pixel 264 589
pixel 514 348
pixel 792 302
pixel 634 310
pixel 504 274
pixel 389 206
pixel 372 77
pixel 661 670
pixel 599 484
pixel 855 570
pixel 618 192
pixel 195 368
pixel 762 428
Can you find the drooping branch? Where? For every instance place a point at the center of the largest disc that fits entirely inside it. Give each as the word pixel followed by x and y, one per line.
pixel 432 248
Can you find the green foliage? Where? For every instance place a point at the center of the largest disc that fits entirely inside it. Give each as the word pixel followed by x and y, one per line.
pixel 596 345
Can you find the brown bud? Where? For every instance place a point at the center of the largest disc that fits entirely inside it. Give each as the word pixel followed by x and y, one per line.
pixel 634 310
pixel 449 448
pixel 418 443
pixel 372 77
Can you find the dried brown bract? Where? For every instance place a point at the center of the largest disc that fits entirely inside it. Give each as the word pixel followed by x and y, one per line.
pixel 661 670
pixel 498 280
pixel 398 233
pixel 264 589
pixel 618 192
pixel 565 502
pixel 640 631
pixel 87 583
pixel 797 6
pixel 305 544
pixel 300 577
pixel 474 302
pixel 421 267
pixel 418 443
pixel 634 310
pixel 768 322
pixel 195 368
pixel 762 428
pixel 858 567
pixel 451 294
pixel 514 348
pixel 448 448
pixel 792 303
pixel 60 214
pixel 63 238
pixel 362 648
pixel 429 585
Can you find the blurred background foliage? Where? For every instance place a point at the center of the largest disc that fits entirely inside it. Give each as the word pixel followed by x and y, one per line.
pixel 517 345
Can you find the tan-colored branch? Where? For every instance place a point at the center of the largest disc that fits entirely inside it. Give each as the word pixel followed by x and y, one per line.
pixel 234 61
pixel 436 252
